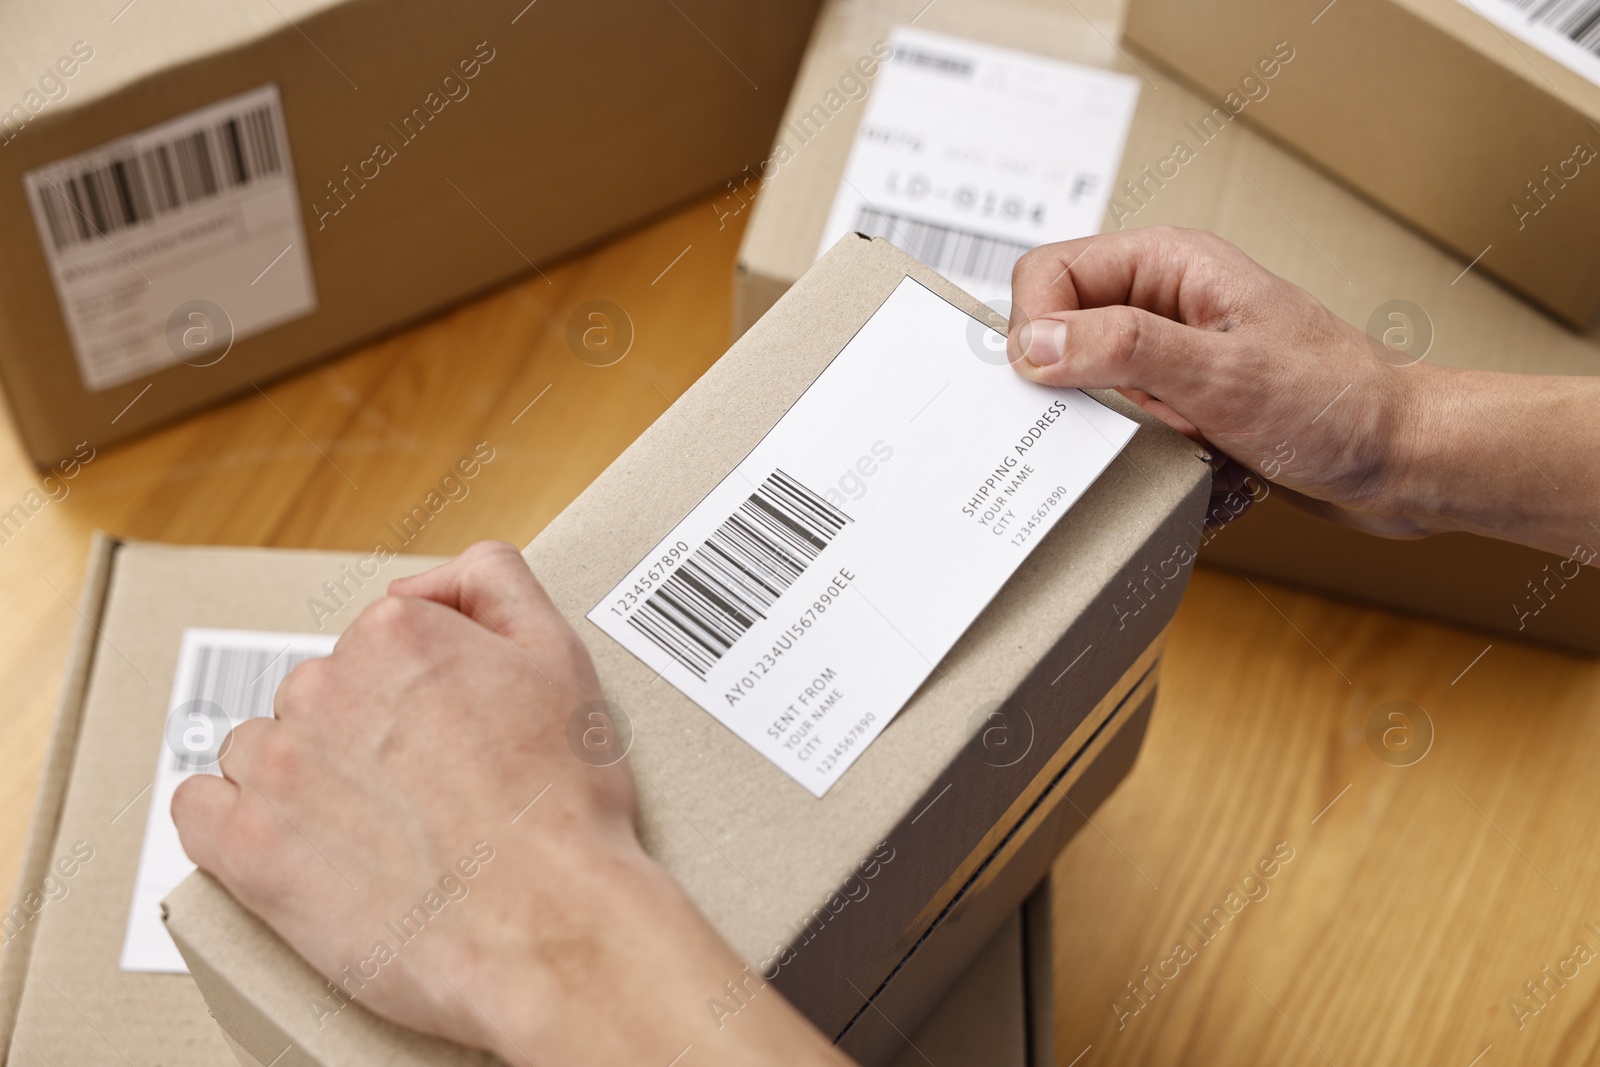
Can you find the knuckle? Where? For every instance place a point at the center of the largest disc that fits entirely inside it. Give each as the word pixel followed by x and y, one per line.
pixel 1124 327
pixel 491 552
pixel 305 684
pixel 187 801
pixel 1031 258
pixel 276 762
pixel 251 842
pixel 394 618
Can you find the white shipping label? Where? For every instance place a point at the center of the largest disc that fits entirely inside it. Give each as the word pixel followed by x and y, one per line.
pixel 168 245
pixel 1567 31
pixel 224 677
pixel 807 596
pixel 968 155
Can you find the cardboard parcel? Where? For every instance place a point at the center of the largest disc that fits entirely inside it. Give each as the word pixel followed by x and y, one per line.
pixel 1472 120
pixel 1191 160
pixel 195 198
pixel 63 998
pixel 952 836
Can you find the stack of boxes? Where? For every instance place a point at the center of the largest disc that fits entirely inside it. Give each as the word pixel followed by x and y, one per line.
pixel 1389 97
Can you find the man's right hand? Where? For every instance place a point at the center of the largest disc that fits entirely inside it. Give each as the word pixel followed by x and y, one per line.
pixel 1221 349
pixel 1256 368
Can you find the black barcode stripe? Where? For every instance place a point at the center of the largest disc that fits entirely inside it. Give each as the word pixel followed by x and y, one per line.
pixel 240 681
pixel 1577 20
pixel 961 68
pixel 727 584
pixel 145 184
pixel 947 249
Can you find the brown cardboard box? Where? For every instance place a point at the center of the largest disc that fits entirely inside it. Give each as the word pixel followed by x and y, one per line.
pixel 780 242
pixel 577 120
pixel 965 834
pixel 1429 108
pixel 62 998
pixel 986 1017
pixel 1291 218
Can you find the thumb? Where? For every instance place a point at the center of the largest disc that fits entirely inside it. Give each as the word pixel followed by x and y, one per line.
pixel 489 583
pixel 1116 347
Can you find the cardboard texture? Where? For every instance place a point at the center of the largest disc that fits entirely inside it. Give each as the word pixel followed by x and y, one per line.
pixel 723 819
pixel 938 959
pixel 63 998
pixel 555 144
pixel 983 1019
pixel 1289 216
pixel 1429 109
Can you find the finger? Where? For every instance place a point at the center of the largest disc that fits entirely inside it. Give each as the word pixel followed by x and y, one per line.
pixel 233 759
pixel 199 808
pixel 1161 269
pixel 1167 414
pixel 1119 347
pixel 489 583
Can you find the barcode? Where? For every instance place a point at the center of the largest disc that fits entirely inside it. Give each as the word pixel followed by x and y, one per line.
pixel 143 184
pixel 961 68
pixel 240 681
pixel 721 589
pixel 946 249
pixel 1578 20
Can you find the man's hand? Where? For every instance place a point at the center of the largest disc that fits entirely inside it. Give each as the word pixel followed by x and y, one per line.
pixel 1188 326
pixel 1222 350
pixel 417 825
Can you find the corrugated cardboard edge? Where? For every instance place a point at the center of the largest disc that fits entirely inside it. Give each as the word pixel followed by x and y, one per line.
pixel 53 777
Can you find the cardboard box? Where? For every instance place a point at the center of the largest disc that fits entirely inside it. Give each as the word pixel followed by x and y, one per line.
pixel 62 998
pixel 1290 217
pixel 964 833
pixel 796 189
pixel 997 1014
pixel 1475 137
pixel 59 967
pixel 403 157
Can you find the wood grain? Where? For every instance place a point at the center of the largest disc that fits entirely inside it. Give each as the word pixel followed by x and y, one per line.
pixel 1414 908
pixel 1419 898
pixel 326 458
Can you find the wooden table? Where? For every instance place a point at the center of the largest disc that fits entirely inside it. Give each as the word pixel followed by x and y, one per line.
pixel 1418 899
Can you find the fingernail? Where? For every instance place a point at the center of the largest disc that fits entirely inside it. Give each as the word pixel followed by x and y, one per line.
pixel 1043 341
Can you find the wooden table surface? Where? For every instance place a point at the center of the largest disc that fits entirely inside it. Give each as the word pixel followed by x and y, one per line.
pixel 1418 899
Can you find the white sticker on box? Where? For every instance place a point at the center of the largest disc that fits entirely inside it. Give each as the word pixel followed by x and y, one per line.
pixel 224 677
pixel 968 155
pixel 1568 31
pixel 807 596
pixel 170 244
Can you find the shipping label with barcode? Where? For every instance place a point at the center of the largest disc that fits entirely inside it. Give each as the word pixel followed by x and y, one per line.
pixel 1567 31
pixel 169 244
pixel 969 155
pixel 224 677
pixel 808 595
